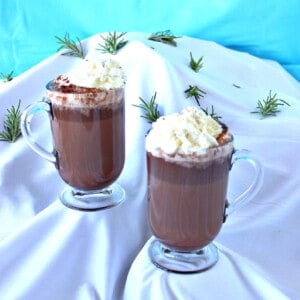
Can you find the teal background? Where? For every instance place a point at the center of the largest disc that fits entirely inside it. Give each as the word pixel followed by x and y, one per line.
pixel 264 28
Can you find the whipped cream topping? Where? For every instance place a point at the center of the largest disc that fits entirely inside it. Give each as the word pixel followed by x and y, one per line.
pixel 90 83
pixel 102 74
pixel 188 133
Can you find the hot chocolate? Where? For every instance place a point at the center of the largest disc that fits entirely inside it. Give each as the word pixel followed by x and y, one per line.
pixel 89 143
pixel 186 204
pixel 187 188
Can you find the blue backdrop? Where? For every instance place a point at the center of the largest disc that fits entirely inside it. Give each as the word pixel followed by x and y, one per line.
pixel 265 28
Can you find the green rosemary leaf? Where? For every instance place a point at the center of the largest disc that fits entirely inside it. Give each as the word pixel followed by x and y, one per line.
pixel 212 113
pixel 75 48
pixel 196 65
pixel 150 109
pixel 7 77
pixel 237 86
pixel 196 92
pixel 112 43
pixel 11 128
pixel 269 106
pixel 165 37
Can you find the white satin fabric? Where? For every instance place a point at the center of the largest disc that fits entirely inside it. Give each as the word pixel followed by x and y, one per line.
pixel 48 251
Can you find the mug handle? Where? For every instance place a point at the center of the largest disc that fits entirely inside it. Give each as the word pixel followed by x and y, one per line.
pixel 27 115
pixel 253 188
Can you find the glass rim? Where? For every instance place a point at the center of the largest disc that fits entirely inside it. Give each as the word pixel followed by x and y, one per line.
pixel 200 157
pixel 74 89
pixel 229 140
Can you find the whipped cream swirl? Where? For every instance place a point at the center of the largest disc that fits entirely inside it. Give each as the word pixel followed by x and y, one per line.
pixel 185 134
pixel 103 74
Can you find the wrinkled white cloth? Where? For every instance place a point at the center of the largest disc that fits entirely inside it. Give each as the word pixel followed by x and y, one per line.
pixel 233 277
pixel 48 251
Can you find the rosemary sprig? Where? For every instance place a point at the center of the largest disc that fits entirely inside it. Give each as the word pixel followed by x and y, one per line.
pixel 7 77
pixel 270 105
pixel 196 92
pixel 75 48
pixel 212 113
pixel 12 125
pixel 196 65
pixel 150 108
pixel 113 42
pixel 165 37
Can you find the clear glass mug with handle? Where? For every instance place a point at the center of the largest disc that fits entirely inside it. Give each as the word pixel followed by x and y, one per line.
pixel 88 135
pixel 187 205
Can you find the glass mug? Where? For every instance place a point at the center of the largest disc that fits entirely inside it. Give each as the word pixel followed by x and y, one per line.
pixel 187 206
pixel 88 143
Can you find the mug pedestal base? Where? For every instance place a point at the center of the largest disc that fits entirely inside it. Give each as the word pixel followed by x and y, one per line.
pixel 93 200
pixel 183 262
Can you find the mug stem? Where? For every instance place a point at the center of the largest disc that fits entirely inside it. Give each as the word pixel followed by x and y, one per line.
pixel 93 200
pixel 183 262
